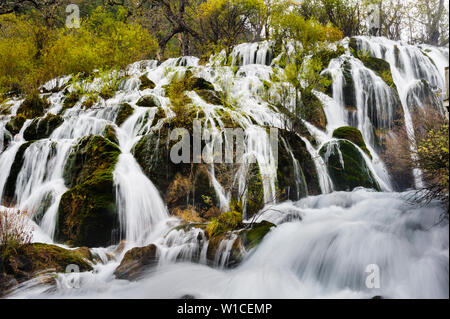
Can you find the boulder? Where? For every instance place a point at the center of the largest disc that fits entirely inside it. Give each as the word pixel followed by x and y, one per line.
pixel 136 262
pixel 352 134
pixel 125 111
pixel 346 166
pixel 42 127
pixel 148 101
pixel 146 83
pixel 87 212
pixel 31 260
pixel 33 106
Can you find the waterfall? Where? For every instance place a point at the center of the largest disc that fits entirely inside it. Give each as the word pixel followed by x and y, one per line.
pixel 321 245
pixel 408 64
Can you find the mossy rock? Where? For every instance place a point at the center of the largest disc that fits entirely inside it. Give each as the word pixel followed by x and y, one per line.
pixel 110 133
pixel 255 191
pixel 136 262
pixel 87 213
pixel 253 236
pixel 148 101
pixel 71 99
pixel 15 124
pixel 247 238
pixel 295 187
pixel 225 222
pixel 125 111
pixel 33 106
pixel 31 260
pixel 313 111
pixel 349 87
pixel 354 171
pixel 146 83
pixel 10 185
pixel 325 55
pixel 210 96
pixel 89 102
pixel 93 155
pixel 352 134
pixel 380 67
pixel 6 138
pixel 42 127
pixel 196 84
pixel 160 114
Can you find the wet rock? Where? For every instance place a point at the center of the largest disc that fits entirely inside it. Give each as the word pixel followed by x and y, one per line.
pixel 15 124
pixel 42 127
pixel 10 185
pixel 33 106
pixel 87 212
pixel 352 134
pixel 125 111
pixel 148 101
pixel 34 259
pixel 146 83
pixel 136 262
pixel 346 166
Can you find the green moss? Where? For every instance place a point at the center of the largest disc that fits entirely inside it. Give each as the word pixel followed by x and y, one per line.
pixel 110 133
pixel 125 111
pixel 71 99
pixel 380 67
pixel 353 173
pixel 210 96
pixel 225 222
pixel 87 212
pixel 352 134
pixel 349 87
pixel 90 101
pixel 255 191
pixel 15 124
pixel 312 110
pixel 146 83
pixel 32 107
pixel 326 55
pixel 10 185
pixel 32 259
pixel 160 114
pixel 42 127
pixel 253 236
pixel 149 101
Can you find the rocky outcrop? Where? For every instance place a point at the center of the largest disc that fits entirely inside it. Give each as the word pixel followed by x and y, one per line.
pixel 87 212
pixel 32 260
pixel 353 135
pixel 136 262
pixel 42 127
pixel 346 166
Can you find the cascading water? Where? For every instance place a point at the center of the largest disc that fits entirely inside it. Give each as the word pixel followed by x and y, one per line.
pixel 321 245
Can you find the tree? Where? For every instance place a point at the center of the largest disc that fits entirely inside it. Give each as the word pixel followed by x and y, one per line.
pixel 343 14
pixel 229 21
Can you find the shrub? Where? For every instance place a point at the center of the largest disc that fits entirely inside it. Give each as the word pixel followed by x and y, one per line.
pixel 15 231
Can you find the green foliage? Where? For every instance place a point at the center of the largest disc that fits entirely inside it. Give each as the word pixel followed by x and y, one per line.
pixel 104 41
pixel 433 159
pixel 225 222
pixel 224 22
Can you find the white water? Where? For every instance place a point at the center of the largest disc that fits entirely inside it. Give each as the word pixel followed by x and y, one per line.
pixel 323 255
